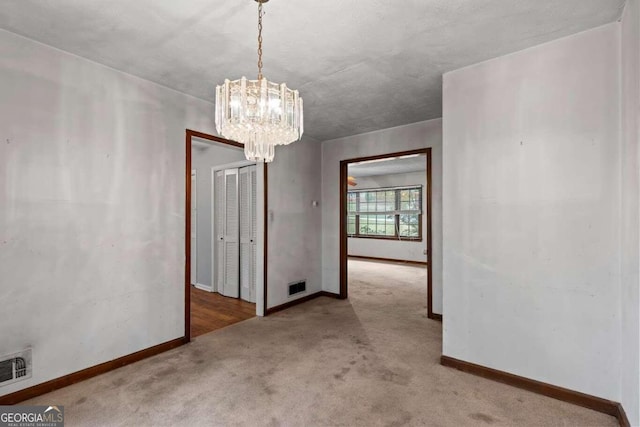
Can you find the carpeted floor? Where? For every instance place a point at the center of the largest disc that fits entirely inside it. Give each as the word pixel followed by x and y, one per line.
pixel 370 361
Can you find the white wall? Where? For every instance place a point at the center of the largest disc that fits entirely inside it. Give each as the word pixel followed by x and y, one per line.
pixel 630 300
pixel 92 171
pixel 294 250
pixel 532 213
pixel 409 137
pixel 393 249
pixel 203 158
pixel 92 179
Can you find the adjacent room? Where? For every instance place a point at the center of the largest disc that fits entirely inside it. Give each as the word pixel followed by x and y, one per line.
pixel 389 227
pixel 223 262
pixel 297 213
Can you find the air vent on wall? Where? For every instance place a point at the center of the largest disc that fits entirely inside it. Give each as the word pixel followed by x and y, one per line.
pixel 15 367
pixel 297 287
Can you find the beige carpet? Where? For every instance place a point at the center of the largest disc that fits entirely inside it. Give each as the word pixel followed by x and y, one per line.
pixel 369 361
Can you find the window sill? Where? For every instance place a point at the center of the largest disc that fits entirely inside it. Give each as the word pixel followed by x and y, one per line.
pixel 399 239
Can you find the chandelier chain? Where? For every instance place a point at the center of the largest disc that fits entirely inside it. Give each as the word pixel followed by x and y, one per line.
pixel 260 40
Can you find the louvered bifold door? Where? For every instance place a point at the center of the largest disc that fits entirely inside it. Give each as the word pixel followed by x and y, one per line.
pixel 248 233
pixel 231 286
pixel 218 223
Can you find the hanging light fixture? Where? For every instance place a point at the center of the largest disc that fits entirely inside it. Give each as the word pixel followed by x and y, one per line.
pixel 258 113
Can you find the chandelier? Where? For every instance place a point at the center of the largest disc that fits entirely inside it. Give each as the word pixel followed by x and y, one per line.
pixel 258 113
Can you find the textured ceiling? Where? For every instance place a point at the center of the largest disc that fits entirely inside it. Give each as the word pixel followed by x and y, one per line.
pixel 388 166
pixel 359 65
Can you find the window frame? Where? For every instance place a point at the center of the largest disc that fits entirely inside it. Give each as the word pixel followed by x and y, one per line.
pixel 396 237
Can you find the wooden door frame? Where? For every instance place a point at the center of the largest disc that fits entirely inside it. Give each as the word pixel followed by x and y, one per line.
pixel 344 166
pixel 190 134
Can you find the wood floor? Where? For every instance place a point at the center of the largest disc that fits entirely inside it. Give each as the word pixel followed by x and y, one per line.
pixel 211 311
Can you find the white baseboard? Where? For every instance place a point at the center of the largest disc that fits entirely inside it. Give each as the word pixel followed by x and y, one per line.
pixel 204 287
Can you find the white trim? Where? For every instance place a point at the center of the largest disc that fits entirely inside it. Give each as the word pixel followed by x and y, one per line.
pixel 248 177
pixel 260 220
pixel 203 287
pixel 214 240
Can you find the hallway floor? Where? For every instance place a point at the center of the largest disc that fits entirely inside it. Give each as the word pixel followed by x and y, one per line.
pixel 370 361
pixel 211 311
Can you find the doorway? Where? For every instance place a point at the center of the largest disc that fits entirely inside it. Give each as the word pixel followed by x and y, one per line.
pixel 385 214
pixel 225 254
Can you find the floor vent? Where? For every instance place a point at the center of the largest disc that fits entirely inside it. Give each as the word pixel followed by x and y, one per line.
pixel 297 287
pixel 15 367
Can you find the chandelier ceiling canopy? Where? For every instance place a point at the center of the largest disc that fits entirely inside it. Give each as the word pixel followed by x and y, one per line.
pixel 258 113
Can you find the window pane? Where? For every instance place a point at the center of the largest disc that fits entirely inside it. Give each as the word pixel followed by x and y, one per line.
pixel 351 202
pixel 411 199
pixel 390 225
pixel 377 225
pixel 351 224
pixel 409 225
pixel 379 204
pixel 390 201
pixel 367 201
pixel 377 201
pixel 365 229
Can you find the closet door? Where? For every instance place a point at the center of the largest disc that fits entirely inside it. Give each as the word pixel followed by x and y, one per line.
pixel 231 283
pixel 253 263
pixel 219 214
pixel 248 233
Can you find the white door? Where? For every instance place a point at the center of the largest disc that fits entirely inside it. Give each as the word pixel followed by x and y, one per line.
pixel 231 255
pixel 218 212
pixel 248 233
pixel 194 218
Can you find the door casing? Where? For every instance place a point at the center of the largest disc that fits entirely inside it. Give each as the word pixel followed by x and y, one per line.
pixel 261 309
pixel 344 165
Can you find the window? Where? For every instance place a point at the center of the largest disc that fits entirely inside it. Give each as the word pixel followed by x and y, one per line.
pixel 385 213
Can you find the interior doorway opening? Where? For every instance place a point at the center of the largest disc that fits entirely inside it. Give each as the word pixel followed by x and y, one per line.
pixel 385 218
pixel 225 251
